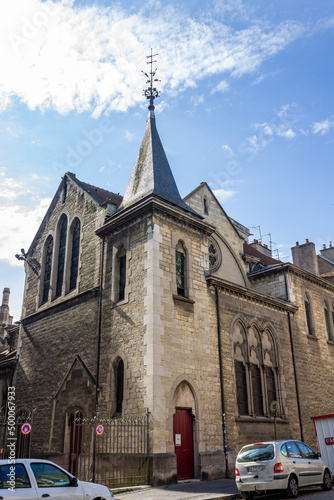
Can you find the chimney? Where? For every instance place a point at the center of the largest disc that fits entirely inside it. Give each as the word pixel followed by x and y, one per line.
pixel 304 256
pixel 4 308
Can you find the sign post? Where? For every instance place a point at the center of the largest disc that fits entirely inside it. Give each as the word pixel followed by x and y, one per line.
pixel 274 408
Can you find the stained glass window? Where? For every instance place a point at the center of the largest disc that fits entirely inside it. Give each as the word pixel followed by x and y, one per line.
pixel 47 269
pixel 61 256
pixel 75 254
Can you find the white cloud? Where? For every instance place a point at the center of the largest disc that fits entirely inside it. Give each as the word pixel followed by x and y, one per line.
pixel 61 56
pixel 18 225
pixel 223 86
pixel 223 195
pixel 21 212
pixel 322 127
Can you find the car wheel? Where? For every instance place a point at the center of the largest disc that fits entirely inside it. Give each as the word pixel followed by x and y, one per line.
pixel 327 484
pixel 292 489
pixel 246 495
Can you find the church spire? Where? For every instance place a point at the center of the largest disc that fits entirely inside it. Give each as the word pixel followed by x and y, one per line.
pixel 151 174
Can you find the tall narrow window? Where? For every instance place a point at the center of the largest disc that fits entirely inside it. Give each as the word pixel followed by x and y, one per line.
pixel 241 384
pixel 119 386
pixel 271 390
pixel 180 262
pixel 257 390
pixel 61 255
pixel 75 254
pixel 308 317
pixel 205 205
pixel 328 328
pixel 122 275
pixel 47 268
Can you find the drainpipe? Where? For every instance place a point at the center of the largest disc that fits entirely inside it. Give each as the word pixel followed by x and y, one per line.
pixel 99 324
pixel 294 361
pixel 222 400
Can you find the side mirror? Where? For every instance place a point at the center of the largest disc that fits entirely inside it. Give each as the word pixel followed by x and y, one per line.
pixel 74 481
pixel 318 455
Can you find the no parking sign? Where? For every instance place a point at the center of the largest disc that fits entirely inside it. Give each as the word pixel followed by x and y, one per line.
pixel 26 428
pixel 99 430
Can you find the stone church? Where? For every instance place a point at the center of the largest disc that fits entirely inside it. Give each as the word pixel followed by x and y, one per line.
pixel 154 302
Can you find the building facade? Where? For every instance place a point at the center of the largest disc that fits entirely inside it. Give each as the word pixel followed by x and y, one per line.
pixel 153 302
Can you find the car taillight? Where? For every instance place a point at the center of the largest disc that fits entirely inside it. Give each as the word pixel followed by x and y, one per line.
pixel 278 468
pixel 237 473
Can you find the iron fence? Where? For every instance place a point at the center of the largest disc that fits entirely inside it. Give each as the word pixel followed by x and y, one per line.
pixel 111 451
pixel 15 433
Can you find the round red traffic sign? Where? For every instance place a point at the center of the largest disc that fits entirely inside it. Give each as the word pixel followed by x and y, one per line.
pixel 99 430
pixel 26 428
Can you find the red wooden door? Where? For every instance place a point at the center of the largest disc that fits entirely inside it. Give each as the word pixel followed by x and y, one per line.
pixel 184 446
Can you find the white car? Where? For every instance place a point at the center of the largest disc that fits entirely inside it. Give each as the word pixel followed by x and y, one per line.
pixel 26 478
pixel 279 465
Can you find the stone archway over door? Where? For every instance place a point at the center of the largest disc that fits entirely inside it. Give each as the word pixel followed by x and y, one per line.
pixel 184 445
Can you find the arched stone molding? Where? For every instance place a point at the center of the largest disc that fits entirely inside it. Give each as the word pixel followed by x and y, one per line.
pixel 178 397
pixel 236 258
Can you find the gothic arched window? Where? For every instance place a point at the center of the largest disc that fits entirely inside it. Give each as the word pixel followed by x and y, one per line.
pixel 61 255
pixel 256 371
pixel 48 249
pixel 75 254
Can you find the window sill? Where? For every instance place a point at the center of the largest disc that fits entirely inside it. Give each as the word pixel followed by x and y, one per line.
pixel 268 420
pixel 180 298
pixel 313 337
pixel 330 342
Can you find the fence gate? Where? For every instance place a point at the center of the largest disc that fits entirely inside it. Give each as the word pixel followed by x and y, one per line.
pixel 111 451
pixel 15 433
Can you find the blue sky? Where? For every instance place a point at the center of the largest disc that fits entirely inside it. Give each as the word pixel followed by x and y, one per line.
pixel 246 105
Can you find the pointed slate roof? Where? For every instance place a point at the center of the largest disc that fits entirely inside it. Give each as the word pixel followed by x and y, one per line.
pixel 151 174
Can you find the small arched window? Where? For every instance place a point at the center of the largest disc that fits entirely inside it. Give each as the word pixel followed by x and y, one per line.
pixel 75 254
pixel 61 255
pixel 119 386
pixel 180 262
pixel 48 249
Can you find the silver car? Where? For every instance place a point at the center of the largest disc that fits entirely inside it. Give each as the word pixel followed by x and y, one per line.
pixel 279 465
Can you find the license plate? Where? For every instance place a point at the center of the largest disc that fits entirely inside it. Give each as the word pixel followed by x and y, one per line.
pixel 254 468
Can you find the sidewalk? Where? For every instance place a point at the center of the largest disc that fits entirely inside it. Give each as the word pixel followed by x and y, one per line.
pixel 221 489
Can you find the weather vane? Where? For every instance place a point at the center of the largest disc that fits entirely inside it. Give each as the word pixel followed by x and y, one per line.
pixel 151 92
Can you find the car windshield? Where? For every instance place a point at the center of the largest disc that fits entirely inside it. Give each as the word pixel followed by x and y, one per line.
pixel 255 452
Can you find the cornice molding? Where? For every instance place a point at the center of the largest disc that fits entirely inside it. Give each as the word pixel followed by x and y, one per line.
pixel 250 294
pixel 151 204
pixel 297 271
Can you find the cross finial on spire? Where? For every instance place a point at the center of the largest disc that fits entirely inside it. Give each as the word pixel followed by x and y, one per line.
pixel 151 92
